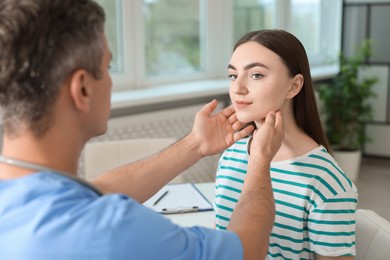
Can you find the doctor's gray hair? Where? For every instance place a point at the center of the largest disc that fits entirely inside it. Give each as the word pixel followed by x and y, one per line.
pixel 42 42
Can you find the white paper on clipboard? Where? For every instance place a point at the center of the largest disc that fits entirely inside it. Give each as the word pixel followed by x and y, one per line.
pixel 182 197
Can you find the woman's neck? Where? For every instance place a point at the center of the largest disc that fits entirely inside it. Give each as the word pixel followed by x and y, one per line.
pixel 295 143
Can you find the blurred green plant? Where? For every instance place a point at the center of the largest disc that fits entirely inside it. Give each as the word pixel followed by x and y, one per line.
pixel 345 100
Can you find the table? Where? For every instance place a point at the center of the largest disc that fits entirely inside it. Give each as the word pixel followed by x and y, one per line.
pixel 204 218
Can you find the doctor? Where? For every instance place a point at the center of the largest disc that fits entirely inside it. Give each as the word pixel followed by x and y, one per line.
pixel 54 96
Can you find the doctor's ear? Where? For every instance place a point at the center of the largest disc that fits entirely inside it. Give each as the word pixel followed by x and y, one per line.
pixel 84 91
pixel 79 90
pixel 296 86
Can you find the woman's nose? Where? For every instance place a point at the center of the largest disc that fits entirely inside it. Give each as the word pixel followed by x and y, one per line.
pixel 238 86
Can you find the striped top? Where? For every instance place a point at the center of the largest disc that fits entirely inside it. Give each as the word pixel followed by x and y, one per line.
pixel 315 203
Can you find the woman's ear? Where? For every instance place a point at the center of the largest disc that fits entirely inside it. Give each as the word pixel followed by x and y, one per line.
pixel 79 90
pixel 296 86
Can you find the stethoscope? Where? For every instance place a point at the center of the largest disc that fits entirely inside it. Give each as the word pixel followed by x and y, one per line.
pixel 38 167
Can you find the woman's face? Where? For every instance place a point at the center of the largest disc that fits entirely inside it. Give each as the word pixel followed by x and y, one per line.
pixel 259 82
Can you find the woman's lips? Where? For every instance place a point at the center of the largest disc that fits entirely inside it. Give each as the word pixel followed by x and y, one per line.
pixel 242 104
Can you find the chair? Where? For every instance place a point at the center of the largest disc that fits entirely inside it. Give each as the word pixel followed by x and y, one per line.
pixel 102 156
pixel 372 236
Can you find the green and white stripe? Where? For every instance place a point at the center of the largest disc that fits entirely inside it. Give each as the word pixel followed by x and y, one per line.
pixel 315 203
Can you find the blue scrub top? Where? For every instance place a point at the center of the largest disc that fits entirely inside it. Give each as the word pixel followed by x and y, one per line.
pixel 48 216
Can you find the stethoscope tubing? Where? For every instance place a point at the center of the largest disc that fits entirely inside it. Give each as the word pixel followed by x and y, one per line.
pixel 41 168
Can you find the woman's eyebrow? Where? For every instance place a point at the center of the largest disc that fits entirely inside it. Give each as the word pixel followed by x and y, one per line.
pixel 249 66
pixel 255 64
pixel 230 66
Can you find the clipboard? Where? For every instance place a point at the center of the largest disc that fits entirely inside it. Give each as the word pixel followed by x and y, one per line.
pixel 178 198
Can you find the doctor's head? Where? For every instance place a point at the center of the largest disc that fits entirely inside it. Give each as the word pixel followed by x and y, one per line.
pixel 42 43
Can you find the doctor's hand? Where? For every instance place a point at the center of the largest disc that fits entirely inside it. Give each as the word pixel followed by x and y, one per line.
pixel 215 133
pixel 268 138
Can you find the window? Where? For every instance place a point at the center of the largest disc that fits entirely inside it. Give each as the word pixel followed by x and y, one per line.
pixel 174 37
pixel 253 15
pixel 113 29
pixel 316 23
pixel 156 42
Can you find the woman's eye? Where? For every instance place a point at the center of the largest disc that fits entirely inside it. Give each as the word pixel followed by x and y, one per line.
pixel 257 76
pixel 232 77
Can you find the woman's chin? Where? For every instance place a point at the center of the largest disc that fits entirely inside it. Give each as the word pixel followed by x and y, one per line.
pixel 246 119
pixel 243 119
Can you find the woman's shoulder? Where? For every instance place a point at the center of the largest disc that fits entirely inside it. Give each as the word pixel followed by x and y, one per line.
pixel 327 168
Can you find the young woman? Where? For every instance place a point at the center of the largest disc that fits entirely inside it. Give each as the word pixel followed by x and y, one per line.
pixel 315 200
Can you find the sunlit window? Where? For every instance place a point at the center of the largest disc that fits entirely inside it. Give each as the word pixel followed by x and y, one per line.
pixel 113 30
pixel 253 15
pixel 157 42
pixel 316 23
pixel 173 37
pixel 305 23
